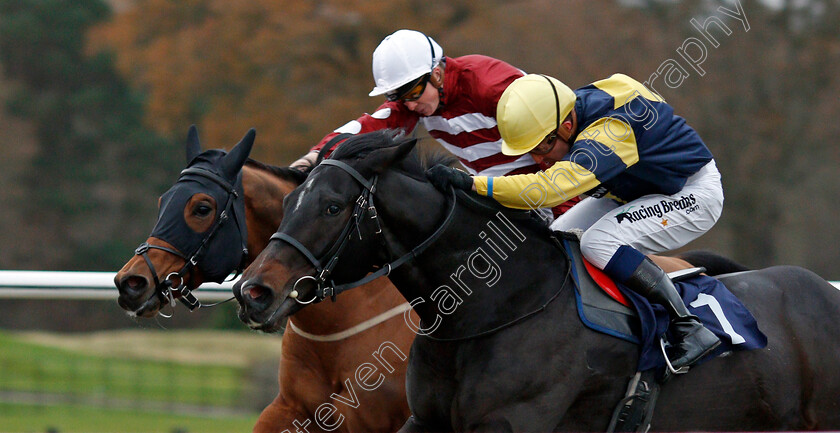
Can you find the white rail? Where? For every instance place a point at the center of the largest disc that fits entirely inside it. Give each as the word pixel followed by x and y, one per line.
pixel 82 285
pixel 93 286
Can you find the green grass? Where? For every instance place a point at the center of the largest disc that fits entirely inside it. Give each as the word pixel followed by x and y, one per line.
pixel 20 418
pixel 129 381
pixel 31 367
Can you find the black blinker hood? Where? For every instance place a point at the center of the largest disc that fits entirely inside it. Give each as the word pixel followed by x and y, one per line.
pixel 214 251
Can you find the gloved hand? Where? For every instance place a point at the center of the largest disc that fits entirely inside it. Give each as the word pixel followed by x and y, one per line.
pixel 442 176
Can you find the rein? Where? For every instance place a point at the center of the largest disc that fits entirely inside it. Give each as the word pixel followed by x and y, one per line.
pixel 364 204
pixel 357 329
pixel 167 289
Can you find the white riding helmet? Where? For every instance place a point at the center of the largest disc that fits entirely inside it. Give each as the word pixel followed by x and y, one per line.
pixel 403 56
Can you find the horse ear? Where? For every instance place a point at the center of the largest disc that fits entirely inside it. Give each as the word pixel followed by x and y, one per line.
pixel 384 158
pixel 233 161
pixel 193 146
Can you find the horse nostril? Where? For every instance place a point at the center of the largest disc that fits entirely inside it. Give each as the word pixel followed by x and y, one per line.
pixel 256 291
pixel 254 296
pixel 134 284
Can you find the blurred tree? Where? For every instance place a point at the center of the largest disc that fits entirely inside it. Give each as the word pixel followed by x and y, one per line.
pixel 96 167
pixel 294 70
pixel 763 107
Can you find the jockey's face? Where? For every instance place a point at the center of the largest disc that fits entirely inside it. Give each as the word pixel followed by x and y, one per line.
pixel 552 149
pixel 556 145
pixel 429 101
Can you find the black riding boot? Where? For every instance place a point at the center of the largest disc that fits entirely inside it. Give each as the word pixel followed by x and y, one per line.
pixel 695 341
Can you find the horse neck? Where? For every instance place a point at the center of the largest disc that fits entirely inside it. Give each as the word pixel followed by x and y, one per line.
pixel 485 260
pixel 264 193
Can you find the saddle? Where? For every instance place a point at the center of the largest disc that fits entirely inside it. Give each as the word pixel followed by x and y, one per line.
pixel 602 306
pixel 606 307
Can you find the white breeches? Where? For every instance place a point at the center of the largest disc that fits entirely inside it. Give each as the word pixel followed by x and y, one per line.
pixel 651 224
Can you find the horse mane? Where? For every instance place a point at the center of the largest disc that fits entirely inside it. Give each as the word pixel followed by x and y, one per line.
pixel 286 173
pixel 429 157
pixel 421 158
pixel 361 145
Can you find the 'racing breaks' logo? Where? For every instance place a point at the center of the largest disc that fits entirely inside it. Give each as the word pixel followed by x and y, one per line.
pixel 687 203
pixel 624 215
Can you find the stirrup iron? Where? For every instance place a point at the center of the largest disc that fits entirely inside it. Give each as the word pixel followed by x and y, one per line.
pixel 682 370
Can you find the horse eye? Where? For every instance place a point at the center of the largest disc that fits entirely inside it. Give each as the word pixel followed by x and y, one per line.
pixel 333 209
pixel 203 210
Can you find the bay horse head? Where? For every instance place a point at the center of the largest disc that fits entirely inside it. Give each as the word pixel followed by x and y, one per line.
pixel 265 187
pixel 200 234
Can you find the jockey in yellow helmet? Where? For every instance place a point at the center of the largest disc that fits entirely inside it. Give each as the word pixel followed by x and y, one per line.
pixel 651 182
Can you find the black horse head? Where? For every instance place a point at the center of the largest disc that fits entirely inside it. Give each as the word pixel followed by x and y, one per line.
pixel 205 204
pixel 322 210
pixel 370 209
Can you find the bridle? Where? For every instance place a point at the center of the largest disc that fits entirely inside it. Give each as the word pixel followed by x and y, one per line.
pixel 167 289
pixel 325 287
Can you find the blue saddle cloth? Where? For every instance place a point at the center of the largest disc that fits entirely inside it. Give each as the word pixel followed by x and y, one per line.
pixel 644 324
pixel 715 306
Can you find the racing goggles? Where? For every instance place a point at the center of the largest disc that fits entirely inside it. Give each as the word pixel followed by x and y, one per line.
pixel 411 91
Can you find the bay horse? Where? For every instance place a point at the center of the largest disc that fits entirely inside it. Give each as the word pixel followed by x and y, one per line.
pixel 326 343
pixel 500 346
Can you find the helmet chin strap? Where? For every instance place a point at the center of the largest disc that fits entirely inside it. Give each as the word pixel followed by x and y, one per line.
pixel 556 103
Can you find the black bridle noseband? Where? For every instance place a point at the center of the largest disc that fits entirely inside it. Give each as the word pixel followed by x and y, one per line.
pixel 326 287
pixel 168 289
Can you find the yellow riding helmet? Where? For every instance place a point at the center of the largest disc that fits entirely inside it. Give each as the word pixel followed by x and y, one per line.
pixel 531 108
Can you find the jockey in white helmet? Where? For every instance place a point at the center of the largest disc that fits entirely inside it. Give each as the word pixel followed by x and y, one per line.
pixel 454 98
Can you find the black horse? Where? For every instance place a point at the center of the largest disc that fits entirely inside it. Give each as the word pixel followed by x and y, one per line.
pixel 501 347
